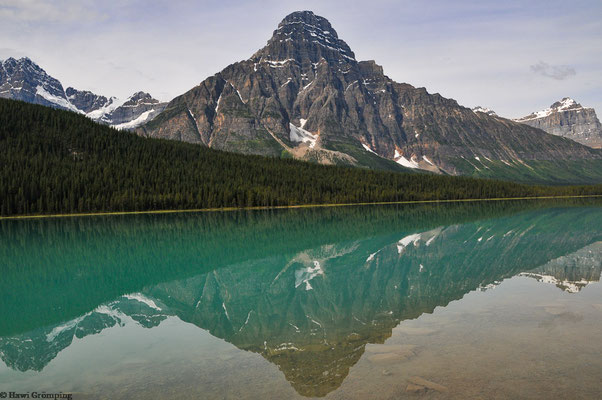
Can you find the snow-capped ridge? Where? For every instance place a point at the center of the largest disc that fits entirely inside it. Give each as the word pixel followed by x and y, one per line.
pixel 568 119
pixel 23 79
pixel 484 110
pixel 566 103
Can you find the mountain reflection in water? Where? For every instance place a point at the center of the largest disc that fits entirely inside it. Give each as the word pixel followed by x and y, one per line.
pixel 306 289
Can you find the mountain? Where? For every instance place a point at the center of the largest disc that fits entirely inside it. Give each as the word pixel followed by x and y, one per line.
pixel 137 109
pixel 569 119
pixel 304 94
pixel 86 101
pixel 24 80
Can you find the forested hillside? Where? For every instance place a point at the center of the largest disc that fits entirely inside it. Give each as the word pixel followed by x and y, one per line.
pixel 55 161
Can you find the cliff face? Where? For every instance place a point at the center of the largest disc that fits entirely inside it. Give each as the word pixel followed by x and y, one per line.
pixel 86 101
pixel 305 94
pixel 568 119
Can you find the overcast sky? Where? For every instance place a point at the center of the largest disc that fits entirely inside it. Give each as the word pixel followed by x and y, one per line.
pixel 512 56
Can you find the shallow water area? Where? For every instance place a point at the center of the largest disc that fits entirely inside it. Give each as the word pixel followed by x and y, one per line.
pixel 472 301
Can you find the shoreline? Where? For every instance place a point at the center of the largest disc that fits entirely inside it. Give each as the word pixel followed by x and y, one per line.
pixel 223 209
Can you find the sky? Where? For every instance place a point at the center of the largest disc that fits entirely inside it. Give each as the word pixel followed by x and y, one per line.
pixel 512 56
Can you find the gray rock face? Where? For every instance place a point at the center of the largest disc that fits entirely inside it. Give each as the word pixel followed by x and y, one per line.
pixel 24 80
pixel 85 101
pixel 305 94
pixel 138 108
pixel 568 119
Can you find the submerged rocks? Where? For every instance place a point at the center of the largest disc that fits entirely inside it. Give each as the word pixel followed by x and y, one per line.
pixel 418 384
pixel 382 354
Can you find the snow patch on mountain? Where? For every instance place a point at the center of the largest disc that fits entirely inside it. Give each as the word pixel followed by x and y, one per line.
pixel 136 122
pixel 102 112
pixel 562 105
pixel 300 135
pixel 368 148
pixel 401 160
pixel 59 101
pixel 484 110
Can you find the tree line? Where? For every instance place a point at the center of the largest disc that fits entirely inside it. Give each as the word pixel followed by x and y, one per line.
pixel 54 161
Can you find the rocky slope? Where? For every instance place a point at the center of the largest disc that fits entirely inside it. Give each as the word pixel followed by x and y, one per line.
pixel 569 119
pixel 24 80
pixel 305 93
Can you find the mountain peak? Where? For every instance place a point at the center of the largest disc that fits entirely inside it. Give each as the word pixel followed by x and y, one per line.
pixel 21 63
pixel 19 60
pixel 140 98
pixel 306 38
pixel 569 119
pixel 565 104
pixel 307 18
pixel 484 110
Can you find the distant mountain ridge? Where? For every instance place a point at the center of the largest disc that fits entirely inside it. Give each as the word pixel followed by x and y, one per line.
pixel 304 94
pixel 25 80
pixel 569 119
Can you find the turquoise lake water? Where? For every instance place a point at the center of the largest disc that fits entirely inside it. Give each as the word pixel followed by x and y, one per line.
pixel 493 300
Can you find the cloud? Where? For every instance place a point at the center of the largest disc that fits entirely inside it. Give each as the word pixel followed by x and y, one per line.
pixel 559 72
pixel 31 11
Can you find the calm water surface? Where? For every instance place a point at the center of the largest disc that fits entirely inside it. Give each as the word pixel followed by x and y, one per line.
pixel 461 301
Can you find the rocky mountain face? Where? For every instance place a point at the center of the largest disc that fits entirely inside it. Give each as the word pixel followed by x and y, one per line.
pixel 86 101
pixel 568 119
pixel 304 94
pixel 24 80
pixel 137 109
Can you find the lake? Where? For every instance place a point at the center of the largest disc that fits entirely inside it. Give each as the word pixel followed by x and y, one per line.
pixel 483 300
